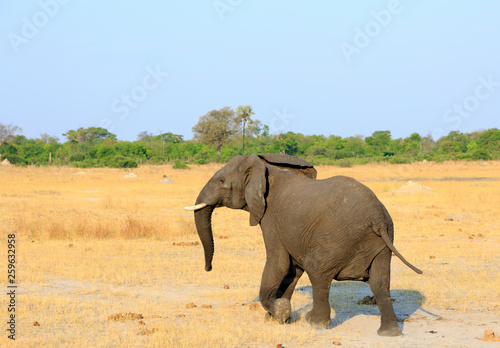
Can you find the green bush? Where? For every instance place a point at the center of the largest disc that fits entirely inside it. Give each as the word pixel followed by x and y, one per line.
pixel 123 162
pixel 180 165
pixel 6 149
pixel 398 160
pixel 80 164
pixel 77 157
pixel 207 153
pixel 14 159
pixel 441 158
pixel 360 161
pixel 102 149
pixel 344 163
pixel 480 154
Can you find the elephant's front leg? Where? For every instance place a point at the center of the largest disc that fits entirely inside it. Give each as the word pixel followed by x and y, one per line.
pixel 277 266
pixel 290 280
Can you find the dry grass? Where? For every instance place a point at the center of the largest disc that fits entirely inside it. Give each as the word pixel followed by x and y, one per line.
pixel 96 244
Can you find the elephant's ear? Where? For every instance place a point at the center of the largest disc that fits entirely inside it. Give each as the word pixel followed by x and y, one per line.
pixel 255 189
pixel 291 163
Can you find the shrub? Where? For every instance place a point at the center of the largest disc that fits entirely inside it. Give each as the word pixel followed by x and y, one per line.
pixel 180 165
pixel 14 159
pixel 123 162
pixel 77 157
pixel 398 160
pixel 345 163
pixel 480 154
pixel 441 158
pixel 80 164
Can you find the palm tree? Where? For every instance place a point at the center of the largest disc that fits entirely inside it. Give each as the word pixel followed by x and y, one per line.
pixel 244 113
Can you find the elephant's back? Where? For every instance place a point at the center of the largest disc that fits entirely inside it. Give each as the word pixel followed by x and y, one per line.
pixel 346 187
pixel 342 180
pixel 352 202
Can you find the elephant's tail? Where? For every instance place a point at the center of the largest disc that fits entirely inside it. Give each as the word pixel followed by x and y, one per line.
pixel 387 240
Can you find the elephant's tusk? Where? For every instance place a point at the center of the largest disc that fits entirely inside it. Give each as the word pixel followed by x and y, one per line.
pixel 196 207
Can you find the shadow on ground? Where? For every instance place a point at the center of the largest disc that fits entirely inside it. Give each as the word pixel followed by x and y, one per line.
pixel 344 297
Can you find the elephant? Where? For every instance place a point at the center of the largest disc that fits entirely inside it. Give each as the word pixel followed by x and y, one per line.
pixel 333 229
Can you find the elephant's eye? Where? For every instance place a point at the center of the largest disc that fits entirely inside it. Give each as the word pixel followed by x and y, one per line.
pixel 221 181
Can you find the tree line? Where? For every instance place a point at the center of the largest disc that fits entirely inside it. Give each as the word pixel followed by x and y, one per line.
pixel 221 134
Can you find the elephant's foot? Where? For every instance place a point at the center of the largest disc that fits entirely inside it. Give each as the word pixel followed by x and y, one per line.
pixel 269 317
pixel 389 330
pixel 280 310
pixel 321 321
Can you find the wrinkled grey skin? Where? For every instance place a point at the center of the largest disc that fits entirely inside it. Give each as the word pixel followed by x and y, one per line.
pixel 332 229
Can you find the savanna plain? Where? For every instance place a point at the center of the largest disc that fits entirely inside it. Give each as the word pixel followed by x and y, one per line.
pixel 114 261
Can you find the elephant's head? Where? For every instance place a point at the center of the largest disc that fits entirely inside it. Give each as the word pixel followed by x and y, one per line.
pixel 241 184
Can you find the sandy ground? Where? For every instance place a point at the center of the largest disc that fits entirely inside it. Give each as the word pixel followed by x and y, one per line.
pixel 70 284
pixel 352 325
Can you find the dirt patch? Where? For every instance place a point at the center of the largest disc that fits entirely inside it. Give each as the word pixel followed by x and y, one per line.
pixel 457 217
pixel 148 332
pixel 125 316
pixel 413 187
pixel 131 176
pixel 253 306
pixel 48 193
pixel 186 243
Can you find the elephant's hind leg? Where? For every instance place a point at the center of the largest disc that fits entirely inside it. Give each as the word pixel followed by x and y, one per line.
pixel 380 279
pixel 320 314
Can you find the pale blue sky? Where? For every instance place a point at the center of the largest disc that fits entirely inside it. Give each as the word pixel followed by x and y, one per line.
pixel 325 67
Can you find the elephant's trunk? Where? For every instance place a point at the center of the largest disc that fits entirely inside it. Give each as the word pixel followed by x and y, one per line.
pixel 203 220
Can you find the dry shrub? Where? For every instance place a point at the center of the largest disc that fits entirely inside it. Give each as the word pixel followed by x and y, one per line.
pixel 98 206
pixel 157 227
pixel 180 226
pixel 128 227
pixel 88 229
pixel 137 228
pixel 57 230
